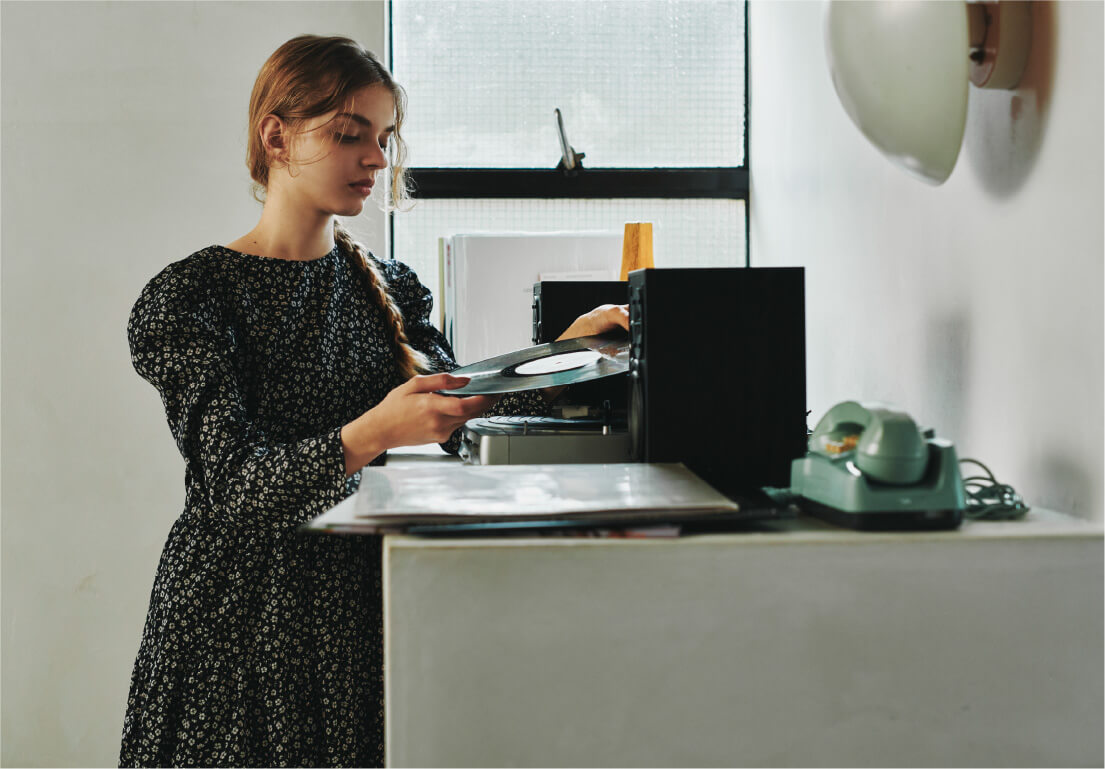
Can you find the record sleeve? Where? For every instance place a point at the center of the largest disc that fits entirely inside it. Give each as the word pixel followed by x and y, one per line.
pixel 393 499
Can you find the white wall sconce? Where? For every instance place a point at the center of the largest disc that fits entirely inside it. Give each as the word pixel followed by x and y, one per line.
pixel 900 68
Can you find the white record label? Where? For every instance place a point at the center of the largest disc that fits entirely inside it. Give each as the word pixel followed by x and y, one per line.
pixel 554 363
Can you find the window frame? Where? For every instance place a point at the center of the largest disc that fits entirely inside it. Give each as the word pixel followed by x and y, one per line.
pixel 714 182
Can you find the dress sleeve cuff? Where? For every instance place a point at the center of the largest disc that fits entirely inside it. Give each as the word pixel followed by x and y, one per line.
pixel 326 474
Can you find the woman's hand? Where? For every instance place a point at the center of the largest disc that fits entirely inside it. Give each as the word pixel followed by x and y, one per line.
pixel 410 415
pixel 604 318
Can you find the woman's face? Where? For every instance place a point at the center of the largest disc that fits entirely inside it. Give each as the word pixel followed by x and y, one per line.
pixel 334 158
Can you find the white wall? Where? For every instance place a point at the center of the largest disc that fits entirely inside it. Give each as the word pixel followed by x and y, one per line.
pixel 976 305
pixel 123 137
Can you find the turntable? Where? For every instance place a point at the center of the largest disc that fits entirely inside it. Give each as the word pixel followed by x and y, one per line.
pixel 535 439
pixel 528 440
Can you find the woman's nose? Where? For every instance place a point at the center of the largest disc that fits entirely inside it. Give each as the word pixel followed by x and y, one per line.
pixel 375 158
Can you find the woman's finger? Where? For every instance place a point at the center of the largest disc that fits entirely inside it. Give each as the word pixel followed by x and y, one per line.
pixel 618 314
pixel 432 382
pixel 467 407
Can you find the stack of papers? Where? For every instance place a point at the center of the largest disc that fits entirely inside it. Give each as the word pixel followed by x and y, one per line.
pixel 410 498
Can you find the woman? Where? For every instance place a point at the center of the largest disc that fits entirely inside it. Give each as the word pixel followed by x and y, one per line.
pixel 287 360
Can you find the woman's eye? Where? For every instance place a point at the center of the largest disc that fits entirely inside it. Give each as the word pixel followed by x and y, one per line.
pixel 347 138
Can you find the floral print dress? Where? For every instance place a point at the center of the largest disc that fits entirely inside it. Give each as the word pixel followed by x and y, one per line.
pixel 263 645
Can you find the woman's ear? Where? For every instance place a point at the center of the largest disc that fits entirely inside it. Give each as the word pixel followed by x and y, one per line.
pixel 274 138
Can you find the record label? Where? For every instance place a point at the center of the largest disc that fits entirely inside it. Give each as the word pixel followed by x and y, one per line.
pixel 554 363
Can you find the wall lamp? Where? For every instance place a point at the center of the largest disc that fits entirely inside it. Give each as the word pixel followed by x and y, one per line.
pixel 901 67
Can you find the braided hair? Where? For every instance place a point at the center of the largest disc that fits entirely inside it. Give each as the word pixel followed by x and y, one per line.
pixel 409 360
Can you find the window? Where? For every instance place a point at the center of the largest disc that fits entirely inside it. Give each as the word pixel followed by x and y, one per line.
pixel 653 92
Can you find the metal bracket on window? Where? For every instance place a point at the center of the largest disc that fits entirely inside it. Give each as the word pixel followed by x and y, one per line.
pixel 569 159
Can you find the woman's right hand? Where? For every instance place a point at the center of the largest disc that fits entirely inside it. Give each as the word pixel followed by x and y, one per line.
pixel 413 413
pixel 410 415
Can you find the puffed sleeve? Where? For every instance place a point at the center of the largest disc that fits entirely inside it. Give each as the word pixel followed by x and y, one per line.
pixel 416 304
pixel 181 342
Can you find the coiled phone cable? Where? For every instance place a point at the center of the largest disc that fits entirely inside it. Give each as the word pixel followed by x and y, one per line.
pixel 989 500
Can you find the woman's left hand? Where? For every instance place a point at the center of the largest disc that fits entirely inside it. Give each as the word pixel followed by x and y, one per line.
pixel 604 318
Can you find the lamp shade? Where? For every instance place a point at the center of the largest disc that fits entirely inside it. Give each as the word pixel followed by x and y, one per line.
pixel 900 68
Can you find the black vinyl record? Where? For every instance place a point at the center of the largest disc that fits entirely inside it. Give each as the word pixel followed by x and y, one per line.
pixel 546 365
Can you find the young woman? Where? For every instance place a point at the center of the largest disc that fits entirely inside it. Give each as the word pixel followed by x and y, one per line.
pixel 287 360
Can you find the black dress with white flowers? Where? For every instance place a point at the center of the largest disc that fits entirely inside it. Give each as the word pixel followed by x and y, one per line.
pixel 263 645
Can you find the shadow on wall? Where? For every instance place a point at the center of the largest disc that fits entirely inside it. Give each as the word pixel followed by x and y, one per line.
pixel 1005 128
pixel 1065 477
pixel 947 350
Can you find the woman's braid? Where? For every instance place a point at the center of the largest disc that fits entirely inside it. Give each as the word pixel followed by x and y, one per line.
pixel 409 360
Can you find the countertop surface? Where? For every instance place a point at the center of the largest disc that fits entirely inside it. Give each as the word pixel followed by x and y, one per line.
pixel 802 529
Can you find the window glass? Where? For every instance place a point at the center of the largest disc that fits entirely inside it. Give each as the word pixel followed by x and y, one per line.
pixel 685 233
pixel 640 83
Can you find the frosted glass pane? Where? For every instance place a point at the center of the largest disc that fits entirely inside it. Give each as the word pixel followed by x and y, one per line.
pixel 685 233
pixel 641 83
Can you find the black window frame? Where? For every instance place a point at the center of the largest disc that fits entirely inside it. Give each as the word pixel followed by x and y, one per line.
pixel 716 182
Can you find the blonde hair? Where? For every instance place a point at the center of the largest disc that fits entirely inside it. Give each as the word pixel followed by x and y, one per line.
pixel 309 76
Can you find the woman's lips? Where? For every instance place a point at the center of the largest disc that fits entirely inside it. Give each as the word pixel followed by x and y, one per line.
pixel 362 188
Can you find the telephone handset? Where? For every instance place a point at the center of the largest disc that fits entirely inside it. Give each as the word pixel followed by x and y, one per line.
pixel 870 467
pixel 883 443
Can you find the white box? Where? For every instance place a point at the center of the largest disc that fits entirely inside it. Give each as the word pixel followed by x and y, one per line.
pixel 489 283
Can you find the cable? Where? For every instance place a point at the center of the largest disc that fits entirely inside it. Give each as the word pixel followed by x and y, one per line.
pixel 988 500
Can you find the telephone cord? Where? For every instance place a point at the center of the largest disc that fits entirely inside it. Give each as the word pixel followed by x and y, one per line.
pixel 990 500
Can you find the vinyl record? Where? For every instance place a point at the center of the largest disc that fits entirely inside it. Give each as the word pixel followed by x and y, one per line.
pixel 546 365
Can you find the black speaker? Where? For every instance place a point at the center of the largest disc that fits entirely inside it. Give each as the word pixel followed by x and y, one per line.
pixel 718 372
pixel 556 303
